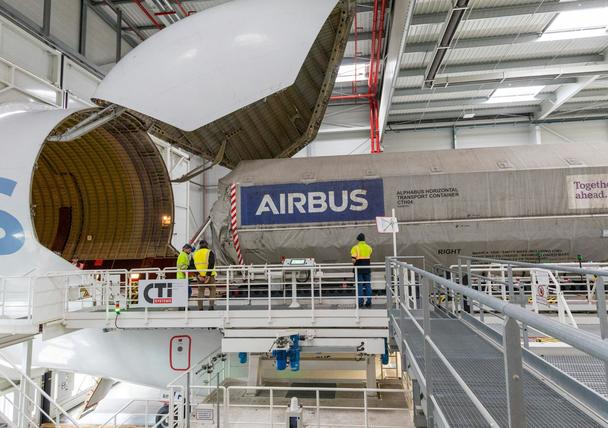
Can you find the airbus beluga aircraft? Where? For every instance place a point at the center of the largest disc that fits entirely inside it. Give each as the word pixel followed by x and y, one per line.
pixel 241 81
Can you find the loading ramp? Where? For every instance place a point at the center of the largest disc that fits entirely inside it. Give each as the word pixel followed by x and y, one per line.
pixel 481 364
pixel 468 360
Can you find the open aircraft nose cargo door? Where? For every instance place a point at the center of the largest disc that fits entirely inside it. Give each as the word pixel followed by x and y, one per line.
pixel 100 196
pixel 242 80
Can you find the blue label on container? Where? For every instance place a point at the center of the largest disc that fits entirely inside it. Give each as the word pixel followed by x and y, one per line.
pixel 329 201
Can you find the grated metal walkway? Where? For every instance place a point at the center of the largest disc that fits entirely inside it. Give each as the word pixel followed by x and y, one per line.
pixel 584 368
pixel 481 365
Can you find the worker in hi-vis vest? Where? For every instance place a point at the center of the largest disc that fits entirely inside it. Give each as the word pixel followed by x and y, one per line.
pixel 183 264
pixel 183 261
pixel 204 261
pixel 361 255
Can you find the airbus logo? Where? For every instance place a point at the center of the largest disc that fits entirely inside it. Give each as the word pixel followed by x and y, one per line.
pixel 314 202
pixel 321 202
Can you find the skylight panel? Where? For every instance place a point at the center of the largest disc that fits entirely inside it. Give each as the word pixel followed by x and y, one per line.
pixel 515 94
pixel 577 24
pixel 352 73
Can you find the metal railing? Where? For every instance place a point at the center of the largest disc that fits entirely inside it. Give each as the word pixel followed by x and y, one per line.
pixel 203 386
pixel 34 300
pixel 578 289
pixel 434 285
pixel 205 370
pixel 78 289
pixel 27 400
pixel 123 415
pixel 271 412
pixel 596 272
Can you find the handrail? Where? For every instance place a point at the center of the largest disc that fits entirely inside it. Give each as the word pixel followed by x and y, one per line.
pixel 37 389
pixel 476 402
pixel 195 366
pixel 115 415
pixel 562 268
pixel 582 340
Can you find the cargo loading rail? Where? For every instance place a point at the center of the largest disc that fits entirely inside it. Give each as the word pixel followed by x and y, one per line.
pixel 471 375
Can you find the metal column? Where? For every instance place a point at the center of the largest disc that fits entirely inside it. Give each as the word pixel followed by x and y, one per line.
pixel 514 374
pixel 46 18
pixel 600 290
pixel 428 352
pixel 25 390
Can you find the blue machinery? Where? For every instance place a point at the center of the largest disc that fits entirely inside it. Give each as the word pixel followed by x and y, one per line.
pixel 288 350
pixel 384 357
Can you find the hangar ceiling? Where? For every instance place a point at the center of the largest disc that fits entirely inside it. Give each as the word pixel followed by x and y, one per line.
pixel 457 62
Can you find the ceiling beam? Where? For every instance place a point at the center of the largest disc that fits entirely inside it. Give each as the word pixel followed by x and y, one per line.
pixel 33 28
pixel 112 23
pixel 130 26
pixel 549 6
pixel 402 14
pixel 507 111
pixel 457 123
pixel 583 66
pixel 590 93
pixel 457 89
pixel 416 91
pixel 563 94
pixel 455 104
pixel 504 65
pixel 362 6
pixel 475 42
pixel 462 123
pixel 575 106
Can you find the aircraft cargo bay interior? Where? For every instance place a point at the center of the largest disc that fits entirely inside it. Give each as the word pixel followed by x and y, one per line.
pixel 303 213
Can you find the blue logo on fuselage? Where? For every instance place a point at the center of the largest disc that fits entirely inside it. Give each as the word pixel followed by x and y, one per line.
pixel 13 238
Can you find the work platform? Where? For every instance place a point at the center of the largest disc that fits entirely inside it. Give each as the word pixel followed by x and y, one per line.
pixel 253 305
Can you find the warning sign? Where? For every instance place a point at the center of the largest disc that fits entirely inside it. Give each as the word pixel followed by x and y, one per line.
pixel 542 286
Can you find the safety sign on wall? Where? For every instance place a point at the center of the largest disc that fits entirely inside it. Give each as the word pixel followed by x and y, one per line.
pixel 162 293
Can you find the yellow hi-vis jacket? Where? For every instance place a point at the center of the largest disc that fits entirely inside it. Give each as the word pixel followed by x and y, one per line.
pixel 362 253
pixel 182 264
pixel 201 262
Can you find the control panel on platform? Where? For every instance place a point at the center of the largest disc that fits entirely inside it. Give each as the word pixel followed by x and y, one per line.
pixel 307 262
